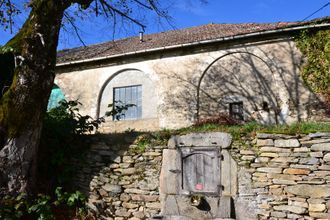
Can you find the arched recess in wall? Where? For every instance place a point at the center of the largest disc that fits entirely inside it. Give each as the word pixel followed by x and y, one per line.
pixel 133 85
pixel 240 84
pixel 55 97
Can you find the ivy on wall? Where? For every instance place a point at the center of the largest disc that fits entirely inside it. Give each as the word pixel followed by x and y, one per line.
pixel 316 72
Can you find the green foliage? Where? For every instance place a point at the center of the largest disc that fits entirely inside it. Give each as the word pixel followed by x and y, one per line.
pixel 43 207
pixel 316 48
pixel 13 207
pixel 237 131
pixel 63 137
pixel 75 200
pixel 118 109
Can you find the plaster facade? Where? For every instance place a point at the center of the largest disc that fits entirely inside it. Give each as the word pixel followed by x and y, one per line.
pixel 179 86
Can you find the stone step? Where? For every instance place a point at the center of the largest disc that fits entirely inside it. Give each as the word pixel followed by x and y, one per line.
pixel 181 217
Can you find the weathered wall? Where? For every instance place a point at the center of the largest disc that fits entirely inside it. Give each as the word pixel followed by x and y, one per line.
pixel 279 177
pixel 253 73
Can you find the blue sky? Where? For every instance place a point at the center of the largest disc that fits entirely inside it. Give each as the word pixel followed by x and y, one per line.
pixel 187 13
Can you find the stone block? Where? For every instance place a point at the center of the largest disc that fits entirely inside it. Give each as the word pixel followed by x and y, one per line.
pixel 145 198
pixel 139 214
pixel 136 191
pixel 201 140
pixel 128 159
pixel 248 157
pixel 321 147
pixel 269 155
pixel 284 182
pixel 170 206
pixel 275 149
pixel 247 152
pixel 273 136
pixel 225 207
pixel 283 176
pixel 153 205
pixel 265 142
pixel 319 134
pixel 151 154
pixel 285 160
pixel 288 208
pixel 295 216
pixel 269 170
pixel 301 149
pixel 316 207
pixel 228 174
pixel 324 167
pixel 262 159
pixel 322 173
pixel 326 157
pixel 129 205
pixel 294 171
pixel 309 191
pixel 170 176
pixel 298 203
pixel 287 143
pixel 134 218
pixel 122 212
pixel 278 214
pixel 125 197
pixel 112 188
pixel 316 154
pixel 319 215
pixel 309 161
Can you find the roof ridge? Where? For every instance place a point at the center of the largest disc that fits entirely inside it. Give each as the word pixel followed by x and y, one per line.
pixel 187 35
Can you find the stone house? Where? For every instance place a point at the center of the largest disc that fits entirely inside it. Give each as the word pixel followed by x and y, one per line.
pixel 248 71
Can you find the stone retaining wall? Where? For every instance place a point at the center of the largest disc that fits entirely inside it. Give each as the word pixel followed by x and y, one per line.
pixel 290 176
pixel 121 180
pixel 279 177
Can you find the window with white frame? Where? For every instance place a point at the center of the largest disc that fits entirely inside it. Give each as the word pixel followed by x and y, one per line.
pixel 128 95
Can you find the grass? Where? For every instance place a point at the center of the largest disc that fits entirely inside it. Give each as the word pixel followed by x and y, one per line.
pixel 237 131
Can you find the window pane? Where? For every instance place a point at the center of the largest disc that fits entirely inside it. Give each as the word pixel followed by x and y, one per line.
pixel 130 95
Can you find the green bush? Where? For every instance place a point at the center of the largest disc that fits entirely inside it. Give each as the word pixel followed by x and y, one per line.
pixel 44 207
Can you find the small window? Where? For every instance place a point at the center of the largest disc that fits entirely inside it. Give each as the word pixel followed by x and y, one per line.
pixel 265 106
pixel 236 110
pixel 129 95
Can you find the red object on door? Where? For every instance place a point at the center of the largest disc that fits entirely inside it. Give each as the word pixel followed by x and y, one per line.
pixel 199 186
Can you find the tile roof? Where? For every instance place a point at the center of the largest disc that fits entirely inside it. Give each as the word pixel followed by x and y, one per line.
pixel 170 38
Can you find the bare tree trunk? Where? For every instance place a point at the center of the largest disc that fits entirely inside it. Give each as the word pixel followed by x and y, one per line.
pixel 23 105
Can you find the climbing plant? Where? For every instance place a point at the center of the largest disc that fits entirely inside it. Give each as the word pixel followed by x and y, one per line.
pixel 315 45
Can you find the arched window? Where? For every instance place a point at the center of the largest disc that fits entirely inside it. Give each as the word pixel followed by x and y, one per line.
pixel 129 87
pixel 55 97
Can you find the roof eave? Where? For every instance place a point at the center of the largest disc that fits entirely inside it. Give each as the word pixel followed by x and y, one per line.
pixel 218 40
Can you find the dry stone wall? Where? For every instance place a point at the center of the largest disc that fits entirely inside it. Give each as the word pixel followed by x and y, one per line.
pixel 290 176
pixel 279 177
pixel 121 180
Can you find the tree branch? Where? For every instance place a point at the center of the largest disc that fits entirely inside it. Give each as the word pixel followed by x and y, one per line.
pixel 143 5
pixel 123 14
pixel 76 30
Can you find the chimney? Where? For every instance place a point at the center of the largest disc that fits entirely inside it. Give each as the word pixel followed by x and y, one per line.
pixel 141 36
